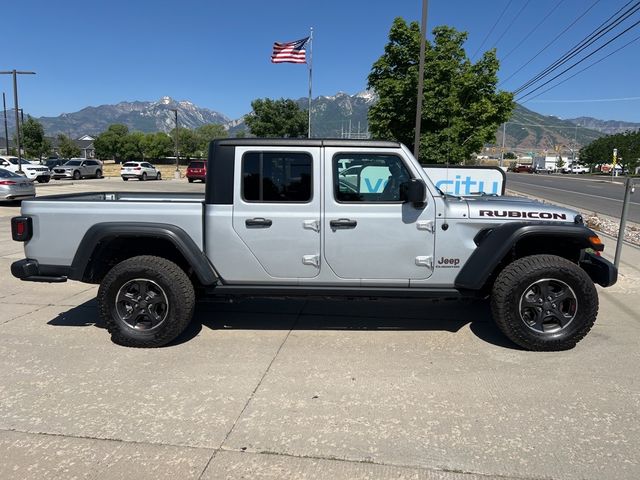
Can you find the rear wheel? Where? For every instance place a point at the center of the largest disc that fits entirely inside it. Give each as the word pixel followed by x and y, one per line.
pixel 544 302
pixel 190 180
pixel 159 176
pixel 98 173
pixel 146 301
pixel 125 178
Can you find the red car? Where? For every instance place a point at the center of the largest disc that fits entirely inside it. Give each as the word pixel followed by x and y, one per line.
pixel 197 171
pixel 523 168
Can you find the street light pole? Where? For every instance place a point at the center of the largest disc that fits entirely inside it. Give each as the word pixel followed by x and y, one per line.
pixel 423 36
pixel 15 74
pixel 504 135
pixel 177 173
pixel 6 127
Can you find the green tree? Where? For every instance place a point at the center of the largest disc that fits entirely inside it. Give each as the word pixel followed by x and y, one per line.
pixel 187 142
pixel 601 150
pixel 157 145
pixel 131 147
pixel 206 133
pixel 109 144
pixel 33 140
pixel 67 148
pixel 461 108
pixel 277 118
pixel 559 162
pixel 510 156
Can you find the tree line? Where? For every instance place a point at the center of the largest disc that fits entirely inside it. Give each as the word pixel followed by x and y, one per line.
pixel 601 150
pixel 118 143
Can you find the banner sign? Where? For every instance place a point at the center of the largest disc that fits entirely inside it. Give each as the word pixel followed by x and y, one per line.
pixel 461 180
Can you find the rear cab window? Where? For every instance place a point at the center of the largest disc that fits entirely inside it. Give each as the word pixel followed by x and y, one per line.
pixel 277 177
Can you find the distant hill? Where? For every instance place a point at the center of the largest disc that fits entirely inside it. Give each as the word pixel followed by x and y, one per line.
pixel 608 127
pixel 528 130
pixel 336 116
pixel 138 116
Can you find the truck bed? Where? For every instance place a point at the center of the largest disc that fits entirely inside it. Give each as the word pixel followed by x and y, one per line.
pixel 61 221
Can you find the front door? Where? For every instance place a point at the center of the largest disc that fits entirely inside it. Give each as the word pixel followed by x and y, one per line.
pixel 370 232
pixel 276 210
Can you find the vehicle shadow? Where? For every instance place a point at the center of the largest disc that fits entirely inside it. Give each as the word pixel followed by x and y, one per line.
pixel 323 314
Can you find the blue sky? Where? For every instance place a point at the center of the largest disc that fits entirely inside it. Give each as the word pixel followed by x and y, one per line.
pixel 216 54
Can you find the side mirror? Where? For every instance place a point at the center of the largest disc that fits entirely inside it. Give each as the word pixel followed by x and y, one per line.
pixel 414 191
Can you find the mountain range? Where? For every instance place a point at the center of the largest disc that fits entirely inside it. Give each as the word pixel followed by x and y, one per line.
pixel 337 116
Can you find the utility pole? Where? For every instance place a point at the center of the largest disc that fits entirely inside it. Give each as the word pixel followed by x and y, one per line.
pixel 15 74
pixel 423 36
pixel 504 136
pixel 6 127
pixel 177 172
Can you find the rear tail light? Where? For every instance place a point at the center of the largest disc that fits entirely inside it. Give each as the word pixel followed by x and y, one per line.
pixel 7 182
pixel 21 228
pixel 138 168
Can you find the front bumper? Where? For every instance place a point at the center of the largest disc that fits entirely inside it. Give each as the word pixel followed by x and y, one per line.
pixel 601 270
pixel 31 271
pixel 58 175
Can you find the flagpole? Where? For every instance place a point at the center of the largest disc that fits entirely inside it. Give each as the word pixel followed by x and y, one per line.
pixel 310 70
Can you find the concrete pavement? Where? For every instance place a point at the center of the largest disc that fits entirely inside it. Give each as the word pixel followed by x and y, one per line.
pixel 289 389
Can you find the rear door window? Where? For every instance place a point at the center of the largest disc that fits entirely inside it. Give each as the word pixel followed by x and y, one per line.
pixel 277 177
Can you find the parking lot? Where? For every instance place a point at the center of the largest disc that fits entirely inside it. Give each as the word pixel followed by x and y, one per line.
pixel 288 389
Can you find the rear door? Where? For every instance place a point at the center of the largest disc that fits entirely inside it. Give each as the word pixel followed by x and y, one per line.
pixel 276 209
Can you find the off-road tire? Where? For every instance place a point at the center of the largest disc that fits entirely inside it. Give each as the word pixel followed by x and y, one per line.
pixel 76 175
pixel 517 277
pixel 177 287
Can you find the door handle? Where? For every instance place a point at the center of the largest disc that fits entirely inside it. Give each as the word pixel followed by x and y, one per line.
pixel 343 223
pixel 258 222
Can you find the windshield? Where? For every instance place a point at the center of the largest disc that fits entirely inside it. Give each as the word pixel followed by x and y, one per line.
pixel 7 174
pixel 22 161
pixel 73 163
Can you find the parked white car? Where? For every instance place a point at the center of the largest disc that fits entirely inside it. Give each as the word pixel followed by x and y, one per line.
pixel 575 169
pixel 40 173
pixel 140 170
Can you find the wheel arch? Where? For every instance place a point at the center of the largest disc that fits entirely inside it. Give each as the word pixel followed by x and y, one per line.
pixel 106 244
pixel 499 246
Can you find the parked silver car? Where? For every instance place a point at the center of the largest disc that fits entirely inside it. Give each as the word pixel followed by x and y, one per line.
pixel 14 186
pixel 78 168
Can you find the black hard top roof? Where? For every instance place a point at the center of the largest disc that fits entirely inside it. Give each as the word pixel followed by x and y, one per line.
pixel 304 142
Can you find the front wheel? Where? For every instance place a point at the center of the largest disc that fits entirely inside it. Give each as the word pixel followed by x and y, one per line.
pixel 146 301
pixel 544 302
pixel 76 175
pixel 144 176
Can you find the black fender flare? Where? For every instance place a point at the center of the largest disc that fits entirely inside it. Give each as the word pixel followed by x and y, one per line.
pixel 107 231
pixel 495 244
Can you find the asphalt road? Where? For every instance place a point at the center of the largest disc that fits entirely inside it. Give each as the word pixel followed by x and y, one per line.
pixel 589 194
pixel 310 389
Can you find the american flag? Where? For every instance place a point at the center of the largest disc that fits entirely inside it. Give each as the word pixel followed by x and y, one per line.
pixel 289 52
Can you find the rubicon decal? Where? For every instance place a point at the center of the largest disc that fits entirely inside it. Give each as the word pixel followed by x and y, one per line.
pixel 518 214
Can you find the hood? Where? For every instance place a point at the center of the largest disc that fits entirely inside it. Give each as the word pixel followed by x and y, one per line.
pixel 517 208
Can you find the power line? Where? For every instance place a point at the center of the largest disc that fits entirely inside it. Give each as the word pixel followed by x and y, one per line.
pixel 587 68
pixel 594 36
pixel 513 20
pixel 504 10
pixel 551 42
pixel 579 61
pixel 533 30
pixel 591 100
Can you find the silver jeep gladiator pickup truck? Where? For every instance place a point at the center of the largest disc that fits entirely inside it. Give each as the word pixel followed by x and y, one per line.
pixel 323 218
